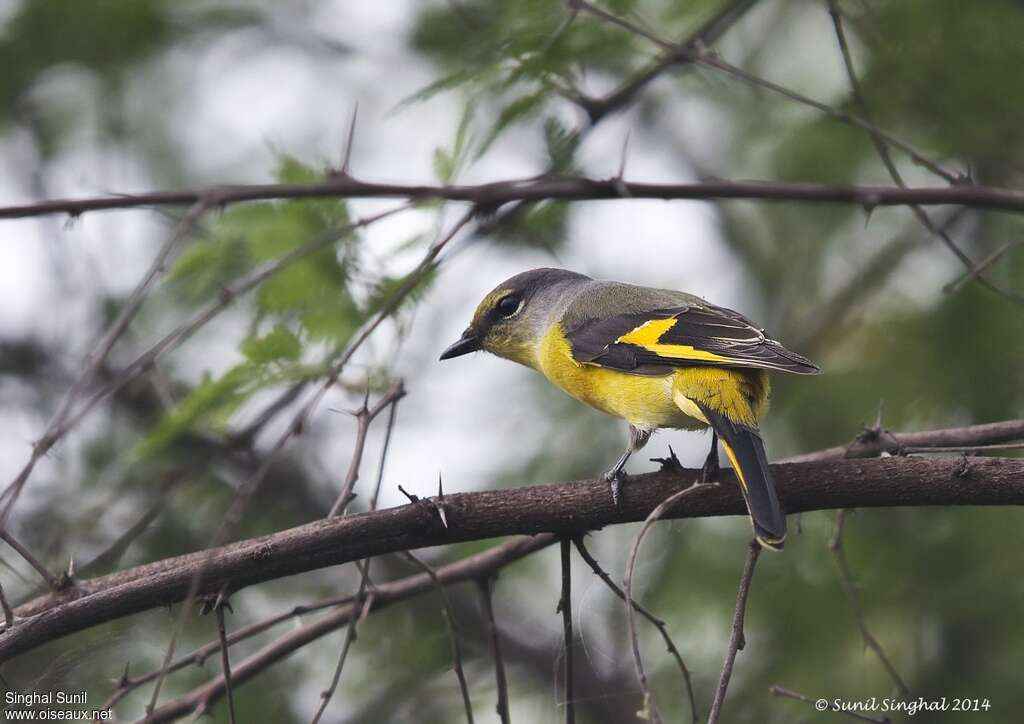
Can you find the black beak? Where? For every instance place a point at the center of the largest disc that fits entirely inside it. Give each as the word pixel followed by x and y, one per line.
pixel 468 343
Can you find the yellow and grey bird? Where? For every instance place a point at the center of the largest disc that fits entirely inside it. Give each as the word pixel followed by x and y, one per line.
pixel 654 357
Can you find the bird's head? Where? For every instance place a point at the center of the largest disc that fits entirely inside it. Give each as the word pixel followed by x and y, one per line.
pixel 512 319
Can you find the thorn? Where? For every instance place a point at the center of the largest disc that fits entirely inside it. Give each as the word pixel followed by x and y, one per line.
pixel 670 463
pixel 439 503
pixel 350 141
pixel 412 498
pixel 122 681
pixel 622 158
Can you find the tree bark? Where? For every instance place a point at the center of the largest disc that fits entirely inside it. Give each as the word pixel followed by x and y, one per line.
pixel 562 508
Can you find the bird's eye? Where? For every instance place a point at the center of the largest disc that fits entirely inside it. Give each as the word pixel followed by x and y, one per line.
pixel 509 305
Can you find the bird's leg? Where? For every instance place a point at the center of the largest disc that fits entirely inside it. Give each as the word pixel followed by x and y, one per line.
pixel 637 439
pixel 709 472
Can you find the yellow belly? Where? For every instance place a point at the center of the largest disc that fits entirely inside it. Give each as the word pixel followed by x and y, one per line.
pixel 653 402
pixel 645 402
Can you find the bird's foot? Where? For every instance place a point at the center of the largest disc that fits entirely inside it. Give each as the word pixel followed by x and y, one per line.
pixel 616 479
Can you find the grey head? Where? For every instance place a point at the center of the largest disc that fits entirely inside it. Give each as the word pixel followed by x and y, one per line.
pixel 513 318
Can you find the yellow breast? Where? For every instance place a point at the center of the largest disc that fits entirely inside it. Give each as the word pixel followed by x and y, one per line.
pixel 642 401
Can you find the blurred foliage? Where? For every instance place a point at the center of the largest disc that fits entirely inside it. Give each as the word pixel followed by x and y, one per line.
pixel 940 588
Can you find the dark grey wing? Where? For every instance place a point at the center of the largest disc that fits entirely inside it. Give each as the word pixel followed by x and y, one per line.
pixel 653 342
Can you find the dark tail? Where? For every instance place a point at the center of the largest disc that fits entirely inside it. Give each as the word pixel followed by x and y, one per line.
pixel 745 449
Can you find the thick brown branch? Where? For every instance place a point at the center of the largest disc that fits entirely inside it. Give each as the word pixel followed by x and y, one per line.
pixel 563 188
pixel 564 508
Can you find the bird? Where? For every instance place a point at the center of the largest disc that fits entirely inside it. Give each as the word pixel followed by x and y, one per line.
pixel 656 358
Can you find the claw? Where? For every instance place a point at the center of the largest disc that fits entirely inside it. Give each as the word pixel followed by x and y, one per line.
pixel 615 479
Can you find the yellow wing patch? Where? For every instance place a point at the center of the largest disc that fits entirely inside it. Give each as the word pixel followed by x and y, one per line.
pixel 648 334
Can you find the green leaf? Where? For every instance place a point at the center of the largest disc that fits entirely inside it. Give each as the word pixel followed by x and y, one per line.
pixel 384 290
pixel 517 110
pixel 212 402
pixel 278 344
pixel 444 165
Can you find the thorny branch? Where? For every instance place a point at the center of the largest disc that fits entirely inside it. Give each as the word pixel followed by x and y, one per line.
pixel 874 441
pixel 557 188
pixel 572 507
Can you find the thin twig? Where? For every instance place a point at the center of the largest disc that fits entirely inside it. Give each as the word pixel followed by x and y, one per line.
pixel 655 621
pixel 392 417
pixel 364 418
pixel 225 659
pixel 873 442
pixel 350 636
pixel 484 587
pixel 650 709
pixel 565 607
pixel 777 690
pixel 955 285
pixel 52 581
pixel 113 552
pixel 8 612
pixel 835 546
pixel 736 640
pixel 449 620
